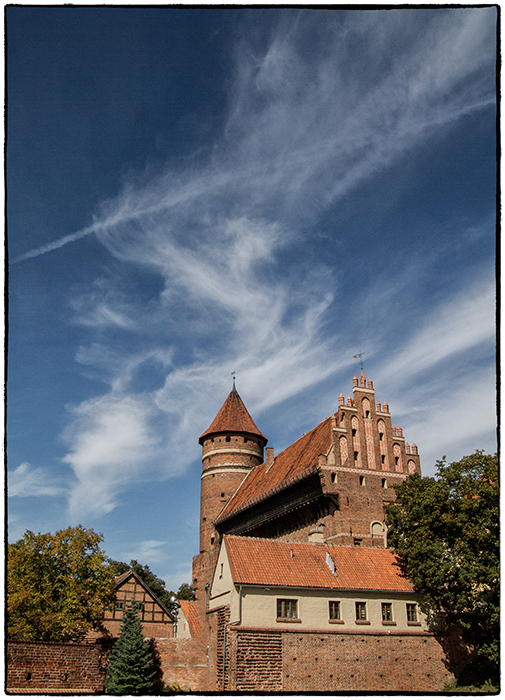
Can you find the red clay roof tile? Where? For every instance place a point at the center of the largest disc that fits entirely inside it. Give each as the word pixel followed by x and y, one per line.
pixel 266 562
pixel 233 416
pixel 288 465
pixel 190 610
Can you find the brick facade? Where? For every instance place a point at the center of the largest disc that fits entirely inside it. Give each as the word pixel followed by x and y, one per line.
pixel 47 667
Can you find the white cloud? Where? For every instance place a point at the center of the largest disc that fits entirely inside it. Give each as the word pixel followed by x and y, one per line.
pixel 304 128
pixel 25 480
pixel 147 552
pixel 113 442
pixel 455 327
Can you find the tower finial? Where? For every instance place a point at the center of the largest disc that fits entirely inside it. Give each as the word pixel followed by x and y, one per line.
pixel 233 375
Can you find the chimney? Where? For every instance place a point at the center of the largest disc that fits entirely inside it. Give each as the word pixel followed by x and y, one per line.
pixel 269 457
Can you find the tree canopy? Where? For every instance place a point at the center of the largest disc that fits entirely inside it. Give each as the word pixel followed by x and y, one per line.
pixel 445 531
pixel 131 669
pixel 58 586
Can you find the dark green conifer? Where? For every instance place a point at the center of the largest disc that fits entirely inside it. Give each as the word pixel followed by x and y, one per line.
pixel 131 667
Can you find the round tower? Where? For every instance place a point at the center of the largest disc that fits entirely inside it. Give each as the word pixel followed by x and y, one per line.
pixel 231 447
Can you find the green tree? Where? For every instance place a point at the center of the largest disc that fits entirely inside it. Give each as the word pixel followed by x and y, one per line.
pixel 58 586
pixel 446 535
pixel 185 592
pixel 131 669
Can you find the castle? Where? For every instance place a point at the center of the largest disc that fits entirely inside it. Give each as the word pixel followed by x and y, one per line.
pixel 296 589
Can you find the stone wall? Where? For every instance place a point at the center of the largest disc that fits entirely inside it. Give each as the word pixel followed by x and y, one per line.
pixel 55 667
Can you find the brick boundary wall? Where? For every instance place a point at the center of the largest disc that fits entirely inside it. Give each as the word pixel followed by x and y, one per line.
pixel 311 661
pixel 185 662
pixel 52 666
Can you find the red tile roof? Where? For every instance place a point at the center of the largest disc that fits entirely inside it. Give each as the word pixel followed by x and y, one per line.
pixel 266 562
pixel 233 417
pixel 289 465
pixel 190 610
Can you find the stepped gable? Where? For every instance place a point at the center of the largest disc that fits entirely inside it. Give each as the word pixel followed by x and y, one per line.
pixel 268 562
pixel 289 465
pixel 233 417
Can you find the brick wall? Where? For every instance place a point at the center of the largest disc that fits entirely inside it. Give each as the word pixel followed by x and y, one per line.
pixel 258 661
pixel 274 661
pixel 184 661
pixel 53 666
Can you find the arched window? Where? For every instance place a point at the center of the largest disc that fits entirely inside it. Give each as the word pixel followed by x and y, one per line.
pixel 376 529
pixel 365 405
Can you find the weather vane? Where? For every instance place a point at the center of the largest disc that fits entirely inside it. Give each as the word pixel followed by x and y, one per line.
pixel 233 375
pixel 360 355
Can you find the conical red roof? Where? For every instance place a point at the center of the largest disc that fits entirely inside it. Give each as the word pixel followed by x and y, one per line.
pixel 233 417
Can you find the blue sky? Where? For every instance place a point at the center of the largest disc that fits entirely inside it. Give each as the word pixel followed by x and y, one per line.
pixel 193 192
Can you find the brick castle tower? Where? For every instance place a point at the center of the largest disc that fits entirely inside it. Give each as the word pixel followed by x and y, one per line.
pixel 231 447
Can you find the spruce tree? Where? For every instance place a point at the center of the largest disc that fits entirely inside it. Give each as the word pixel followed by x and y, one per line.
pixel 131 666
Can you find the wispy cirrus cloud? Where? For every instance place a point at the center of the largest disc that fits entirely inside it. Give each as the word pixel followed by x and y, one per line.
pixel 304 129
pixel 26 480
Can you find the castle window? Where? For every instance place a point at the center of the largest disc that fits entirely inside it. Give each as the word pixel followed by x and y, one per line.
pixel 228 438
pixel 411 612
pixel 119 605
pixel 367 414
pixel 356 455
pixel 384 483
pixel 360 611
pixel 362 478
pixel 222 494
pixel 354 431
pixel 333 478
pixel 397 460
pixel 334 610
pixel 358 542
pixel 287 609
pixel 381 436
pixel 212 540
pixel 221 571
pixel 383 459
pixel 387 612
pixel 245 439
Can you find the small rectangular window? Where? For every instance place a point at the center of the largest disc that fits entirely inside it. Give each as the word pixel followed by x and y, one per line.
pixel 360 611
pixel 411 612
pixel 354 432
pixel 358 542
pixel 383 459
pixel 381 436
pixel 356 455
pixel 334 610
pixel 119 605
pixel 387 613
pixel 384 483
pixel 287 609
pixel 361 480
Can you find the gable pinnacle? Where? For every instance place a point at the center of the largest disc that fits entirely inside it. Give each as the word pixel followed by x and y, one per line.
pixel 233 387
